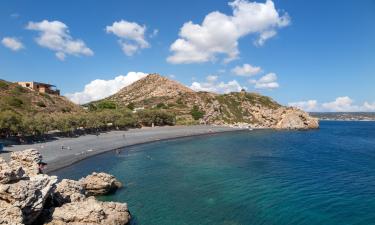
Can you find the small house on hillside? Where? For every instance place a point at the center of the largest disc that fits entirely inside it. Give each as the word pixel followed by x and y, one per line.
pixel 40 87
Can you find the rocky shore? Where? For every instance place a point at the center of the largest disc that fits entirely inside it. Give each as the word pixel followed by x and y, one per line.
pixel 29 197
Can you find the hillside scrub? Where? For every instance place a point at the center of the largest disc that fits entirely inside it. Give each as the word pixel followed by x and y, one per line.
pixel 196 113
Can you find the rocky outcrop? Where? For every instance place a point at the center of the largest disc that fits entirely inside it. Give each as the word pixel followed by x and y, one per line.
pixel 100 184
pixel 294 118
pixel 9 174
pixel 68 191
pixel 27 197
pixel 23 192
pixel 91 211
pixel 28 160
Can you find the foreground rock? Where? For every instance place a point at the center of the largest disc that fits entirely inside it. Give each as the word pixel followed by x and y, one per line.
pixel 28 160
pixel 91 211
pixel 100 184
pixel 68 191
pixel 27 197
pixel 9 174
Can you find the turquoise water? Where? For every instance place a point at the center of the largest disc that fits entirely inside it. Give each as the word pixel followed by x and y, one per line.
pixel 324 176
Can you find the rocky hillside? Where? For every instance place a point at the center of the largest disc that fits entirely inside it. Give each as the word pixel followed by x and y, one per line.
pixel 155 91
pixel 24 101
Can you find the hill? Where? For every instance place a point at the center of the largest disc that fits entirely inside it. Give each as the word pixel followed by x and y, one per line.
pixel 158 92
pixel 21 100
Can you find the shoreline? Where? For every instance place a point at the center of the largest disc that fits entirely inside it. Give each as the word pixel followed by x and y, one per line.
pixel 64 152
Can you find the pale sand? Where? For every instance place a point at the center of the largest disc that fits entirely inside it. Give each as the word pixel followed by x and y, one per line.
pixel 76 149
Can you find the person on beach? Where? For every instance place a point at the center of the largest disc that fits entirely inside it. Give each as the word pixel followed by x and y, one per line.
pixel 41 167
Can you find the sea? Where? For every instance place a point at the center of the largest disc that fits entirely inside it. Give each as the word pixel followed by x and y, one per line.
pixel 260 177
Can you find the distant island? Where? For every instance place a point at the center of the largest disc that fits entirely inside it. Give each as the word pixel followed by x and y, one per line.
pixel 345 116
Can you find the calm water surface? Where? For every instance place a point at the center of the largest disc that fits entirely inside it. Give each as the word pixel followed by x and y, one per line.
pixel 324 176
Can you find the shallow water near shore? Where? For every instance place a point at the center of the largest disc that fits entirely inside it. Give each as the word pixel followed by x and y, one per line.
pixel 324 176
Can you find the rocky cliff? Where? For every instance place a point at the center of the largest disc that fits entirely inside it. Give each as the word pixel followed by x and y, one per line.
pixel 252 109
pixel 27 197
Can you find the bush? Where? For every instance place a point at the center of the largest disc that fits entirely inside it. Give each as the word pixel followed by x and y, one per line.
pixel 18 90
pixel 106 105
pixel 131 106
pixel 41 104
pixel 196 113
pixel 156 117
pixel 13 101
pixel 66 110
pixel 161 106
pixel 3 84
pixel 10 123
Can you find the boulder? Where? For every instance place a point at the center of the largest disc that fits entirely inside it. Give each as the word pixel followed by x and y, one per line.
pixel 90 211
pixel 28 195
pixel 10 214
pixel 28 160
pixel 68 191
pixel 8 174
pixel 100 184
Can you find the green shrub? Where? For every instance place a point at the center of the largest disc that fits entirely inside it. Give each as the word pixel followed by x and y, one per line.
pixel 179 101
pixel 41 104
pixel 13 101
pixel 156 117
pixel 161 106
pixel 131 106
pixel 106 105
pixel 196 113
pixel 10 123
pixel 18 90
pixel 3 84
pixel 66 110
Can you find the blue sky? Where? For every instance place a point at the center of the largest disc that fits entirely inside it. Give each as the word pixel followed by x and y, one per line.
pixel 321 56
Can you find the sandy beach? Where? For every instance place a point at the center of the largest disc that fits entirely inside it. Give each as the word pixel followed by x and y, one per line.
pixel 66 151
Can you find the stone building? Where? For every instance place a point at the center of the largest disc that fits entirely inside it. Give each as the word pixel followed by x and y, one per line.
pixel 40 87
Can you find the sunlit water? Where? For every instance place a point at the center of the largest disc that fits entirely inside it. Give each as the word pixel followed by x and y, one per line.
pixel 324 176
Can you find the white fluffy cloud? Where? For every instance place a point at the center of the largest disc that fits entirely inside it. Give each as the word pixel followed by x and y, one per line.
pixel 99 89
pixel 219 33
pixel 309 106
pixel 340 104
pixel 246 70
pixel 131 34
pixel 213 85
pixel 12 43
pixel 55 35
pixel 268 81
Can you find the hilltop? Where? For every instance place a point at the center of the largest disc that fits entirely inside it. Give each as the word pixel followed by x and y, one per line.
pixel 158 92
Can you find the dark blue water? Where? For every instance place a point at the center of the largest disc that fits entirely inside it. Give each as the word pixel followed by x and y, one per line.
pixel 324 176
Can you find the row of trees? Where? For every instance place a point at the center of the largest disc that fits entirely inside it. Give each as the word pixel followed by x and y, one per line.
pixel 14 124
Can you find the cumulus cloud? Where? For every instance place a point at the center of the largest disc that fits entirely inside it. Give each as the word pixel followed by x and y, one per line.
pixel 211 84
pixel 268 81
pixel 12 43
pixel 340 104
pixel 99 89
pixel 219 33
pixel 55 35
pixel 246 70
pixel 131 34
pixel 309 106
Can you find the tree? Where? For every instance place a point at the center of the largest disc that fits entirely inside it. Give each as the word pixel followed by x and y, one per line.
pixel 196 113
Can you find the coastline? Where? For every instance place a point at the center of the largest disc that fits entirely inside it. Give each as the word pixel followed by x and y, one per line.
pixel 63 152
